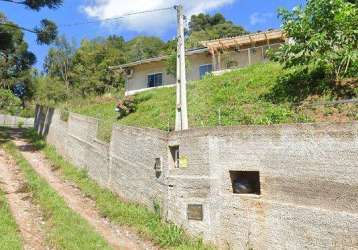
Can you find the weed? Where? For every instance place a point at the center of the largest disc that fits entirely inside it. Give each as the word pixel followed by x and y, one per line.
pixel 9 233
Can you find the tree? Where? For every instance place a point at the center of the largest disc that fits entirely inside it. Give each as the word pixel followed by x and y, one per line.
pixel 143 47
pixel 91 62
pixel 59 60
pixel 323 34
pixel 37 4
pixel 15 59
pixel 8 101
pixel 205 27
pixel 49 91
pixel 353 1
pixel 47 31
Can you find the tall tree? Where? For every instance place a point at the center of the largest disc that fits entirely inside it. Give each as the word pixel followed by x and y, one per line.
pixel 15 62
pixel 59 60
pixel 15 58
pixel 143 47
pixel 91 64
pixel 47 31
pixel 205 27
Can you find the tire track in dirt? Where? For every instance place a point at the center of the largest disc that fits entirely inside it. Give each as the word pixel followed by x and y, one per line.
pixel 118 237
pixel 27 215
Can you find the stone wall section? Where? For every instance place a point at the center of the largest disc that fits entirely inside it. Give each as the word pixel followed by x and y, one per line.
pixel 308 178
pixel 15 121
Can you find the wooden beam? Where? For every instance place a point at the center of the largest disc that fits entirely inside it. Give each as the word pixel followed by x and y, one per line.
pixel 219 61
pixel 249 55
pixel 213 56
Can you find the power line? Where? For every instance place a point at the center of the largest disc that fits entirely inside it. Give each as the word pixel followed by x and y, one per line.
pixel 116 18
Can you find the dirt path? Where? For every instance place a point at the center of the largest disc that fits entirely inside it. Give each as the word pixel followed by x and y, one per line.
pixel 26 214
pixel 118 237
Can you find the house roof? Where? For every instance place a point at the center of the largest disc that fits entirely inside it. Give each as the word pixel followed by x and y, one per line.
pixel 157 59
pixel 213 45
pixel 224 43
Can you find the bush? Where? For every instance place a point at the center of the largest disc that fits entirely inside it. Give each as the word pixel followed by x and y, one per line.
pixel 126 106
pixel 321 33
pixel 9 102
pixel 49 91
pixel 28 112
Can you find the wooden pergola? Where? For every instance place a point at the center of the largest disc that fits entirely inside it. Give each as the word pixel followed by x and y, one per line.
pixel 267 38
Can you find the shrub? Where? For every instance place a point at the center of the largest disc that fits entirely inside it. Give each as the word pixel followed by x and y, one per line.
pixel 126 106
pixel 49 91
pixel 321 33
pixel 8 101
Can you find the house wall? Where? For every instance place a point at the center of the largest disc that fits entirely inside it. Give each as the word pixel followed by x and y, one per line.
pixel 139 79
pixel 308 177
pixel 193 73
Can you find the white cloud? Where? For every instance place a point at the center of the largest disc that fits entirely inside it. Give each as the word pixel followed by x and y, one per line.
pixel 150 23
pixel 260 18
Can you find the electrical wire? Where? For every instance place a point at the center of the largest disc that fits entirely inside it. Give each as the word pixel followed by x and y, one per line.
pixel 116 18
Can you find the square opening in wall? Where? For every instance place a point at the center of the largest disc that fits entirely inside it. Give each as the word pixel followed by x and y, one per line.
pixel 245 182
pixel 195 212
pixel 174 152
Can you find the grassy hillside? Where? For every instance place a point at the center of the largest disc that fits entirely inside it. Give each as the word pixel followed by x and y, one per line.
pixel 254 95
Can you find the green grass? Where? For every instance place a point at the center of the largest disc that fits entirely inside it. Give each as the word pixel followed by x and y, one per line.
pixel 65 228
pixel 9 235
pixel 261 94
pixel 145 222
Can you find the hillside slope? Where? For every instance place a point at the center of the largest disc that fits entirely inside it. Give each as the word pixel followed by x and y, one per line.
pixel 252 95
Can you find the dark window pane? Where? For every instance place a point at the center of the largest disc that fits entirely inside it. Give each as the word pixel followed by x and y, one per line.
pixel 155 80
pixel 205 69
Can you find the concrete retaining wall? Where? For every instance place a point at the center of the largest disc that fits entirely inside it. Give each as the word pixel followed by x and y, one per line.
pixel 308 178
pixel 15 121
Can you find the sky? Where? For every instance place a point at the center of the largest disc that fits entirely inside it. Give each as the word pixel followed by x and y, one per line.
pixel 253 15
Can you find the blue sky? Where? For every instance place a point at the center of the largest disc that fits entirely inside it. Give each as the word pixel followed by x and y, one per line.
pixel 254 15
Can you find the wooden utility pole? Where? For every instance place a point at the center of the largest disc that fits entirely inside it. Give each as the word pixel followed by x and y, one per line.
pixel 181 118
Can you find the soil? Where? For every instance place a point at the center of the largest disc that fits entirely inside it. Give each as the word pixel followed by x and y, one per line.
pixel 119 237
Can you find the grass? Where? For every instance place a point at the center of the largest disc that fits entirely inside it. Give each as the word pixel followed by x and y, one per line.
pixel 9 234
pixel 145 222
pixel 261 94
pixel 65 228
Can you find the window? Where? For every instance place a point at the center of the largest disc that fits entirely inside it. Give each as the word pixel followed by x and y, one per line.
pixel 245 182
pixel 174 151
pixel 155 80
pixel 205 69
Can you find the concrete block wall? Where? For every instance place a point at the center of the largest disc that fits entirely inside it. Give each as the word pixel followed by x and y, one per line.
pixel 308 178
pixel 309 186
pixel 15 121
pixel 133 153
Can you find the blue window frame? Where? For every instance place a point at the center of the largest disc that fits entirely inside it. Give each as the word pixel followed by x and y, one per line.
pixel 205 69
pixel 155 80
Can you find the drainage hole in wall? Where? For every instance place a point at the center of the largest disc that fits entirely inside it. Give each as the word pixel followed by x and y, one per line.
pixel 245 182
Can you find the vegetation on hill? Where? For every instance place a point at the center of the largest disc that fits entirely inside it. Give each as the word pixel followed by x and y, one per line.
pixel 260 94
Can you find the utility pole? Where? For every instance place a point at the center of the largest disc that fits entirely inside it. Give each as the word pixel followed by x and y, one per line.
pixel 181 118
